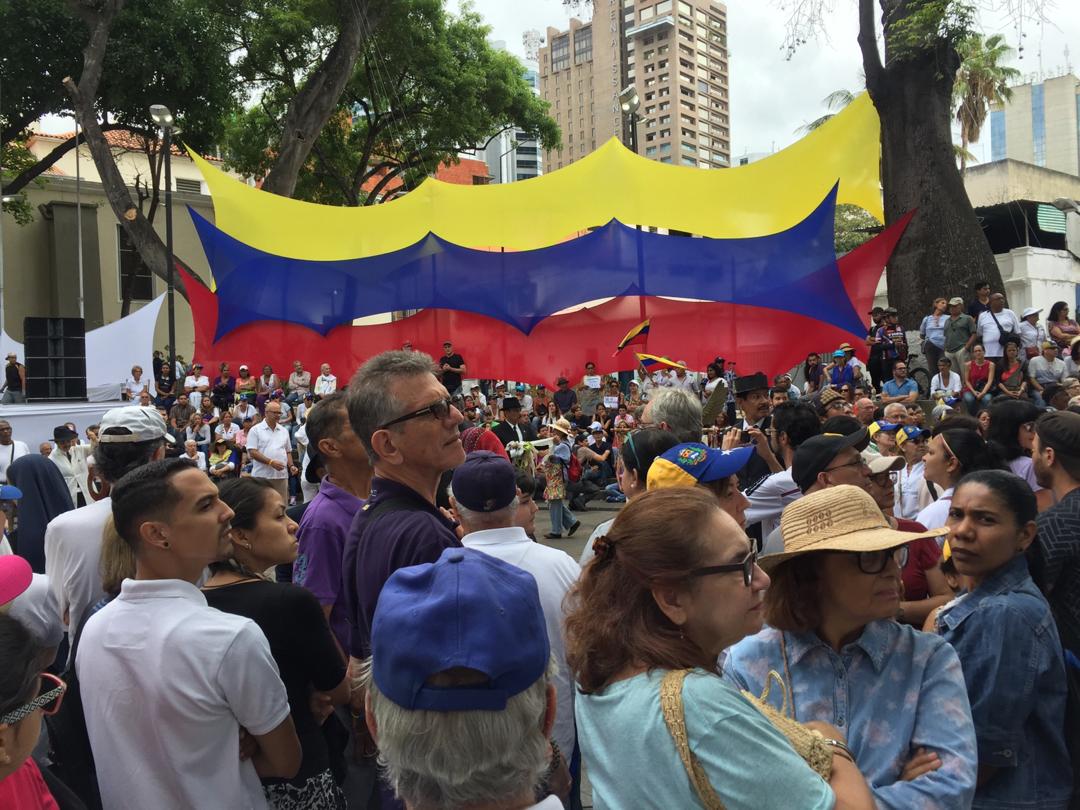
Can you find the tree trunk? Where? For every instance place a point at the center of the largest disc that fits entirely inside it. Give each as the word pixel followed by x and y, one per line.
pixel 317 100
pixel 99 17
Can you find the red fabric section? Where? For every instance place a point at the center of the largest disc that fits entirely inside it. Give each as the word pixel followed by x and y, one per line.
pixel 755 337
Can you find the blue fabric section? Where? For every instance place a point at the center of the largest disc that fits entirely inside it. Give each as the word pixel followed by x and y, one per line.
pixel 794 270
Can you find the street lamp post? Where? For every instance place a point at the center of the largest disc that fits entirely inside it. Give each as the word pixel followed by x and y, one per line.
pixel 164 119
pixel 629 102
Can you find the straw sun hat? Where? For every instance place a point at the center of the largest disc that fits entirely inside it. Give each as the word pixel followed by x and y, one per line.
pixel 841 518
pixel 563 426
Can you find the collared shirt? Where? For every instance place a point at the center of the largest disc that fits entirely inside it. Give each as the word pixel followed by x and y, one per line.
pixel 73 467
pixel 167 682
pixel 73 559
pixel 891 691
pixel 1011 654
pixel 768 499
pixel 325 384
pixel 555 573
pixel 892 388
pixel 275 444
pixel 414 534
pixel 321 535
pixel 1055 566
pixel 300 382
pixel 933 329
pixel 934 515
pixel 908 483
pixel 957 331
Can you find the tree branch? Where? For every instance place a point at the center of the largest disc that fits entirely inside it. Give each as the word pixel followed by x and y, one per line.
pixel 872 67
pixel 29 174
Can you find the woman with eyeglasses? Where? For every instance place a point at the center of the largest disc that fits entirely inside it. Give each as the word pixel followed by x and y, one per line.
pixel 897 693
pixel 26 693
pixel 1008 644
pixel 673 584
pixel 950 455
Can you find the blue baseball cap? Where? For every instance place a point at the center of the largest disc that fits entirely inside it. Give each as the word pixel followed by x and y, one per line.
pixel 469 610
pixel 485 482
pixel 911 432
pixel 692 463
pixel 881 424
pixel 10 492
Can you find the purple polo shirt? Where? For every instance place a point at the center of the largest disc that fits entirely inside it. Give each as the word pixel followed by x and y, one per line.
pixel 414 533
pixel 323 530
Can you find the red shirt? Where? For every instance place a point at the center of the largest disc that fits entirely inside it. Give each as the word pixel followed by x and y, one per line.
pixel 923 554
pixel 26 790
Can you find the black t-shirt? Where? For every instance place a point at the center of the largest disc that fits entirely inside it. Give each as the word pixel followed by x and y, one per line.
pixel 450 379
pixel 303 647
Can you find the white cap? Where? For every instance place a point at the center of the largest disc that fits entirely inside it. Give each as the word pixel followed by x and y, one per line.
pixel 142 424
pixel 1031 311
pixel 596 426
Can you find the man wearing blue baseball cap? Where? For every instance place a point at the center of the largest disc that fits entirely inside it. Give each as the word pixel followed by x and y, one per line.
pixel 453 642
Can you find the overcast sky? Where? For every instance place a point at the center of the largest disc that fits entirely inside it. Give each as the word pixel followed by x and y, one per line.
pixel 772 97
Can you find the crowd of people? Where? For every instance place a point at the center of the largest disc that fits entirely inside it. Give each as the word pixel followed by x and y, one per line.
pixel 824 589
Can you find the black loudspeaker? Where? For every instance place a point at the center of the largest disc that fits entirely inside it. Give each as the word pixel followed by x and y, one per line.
pixel 55 359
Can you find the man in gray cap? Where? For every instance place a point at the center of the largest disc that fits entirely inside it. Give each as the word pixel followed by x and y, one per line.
pixel 958 331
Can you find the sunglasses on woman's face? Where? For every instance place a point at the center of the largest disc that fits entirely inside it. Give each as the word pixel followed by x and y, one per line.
pixel 874 562
pixel 50 695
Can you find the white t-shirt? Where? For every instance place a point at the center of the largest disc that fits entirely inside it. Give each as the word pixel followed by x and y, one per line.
pixel 989 332
pixel 10 452
pixel 935 515
pixel 768 500
pixel 227 433
pixel 167 682
pixel 274 444
pixel 199 460
pixel 950 385
pixel 243 411
pixel 134 387
pixel 191 382
pixel 555 573
pixel 73 559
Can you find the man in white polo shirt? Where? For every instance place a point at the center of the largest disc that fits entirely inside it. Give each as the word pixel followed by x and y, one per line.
pixel 167 682
pixel 270 450
pixel 128 437
pixel 485 502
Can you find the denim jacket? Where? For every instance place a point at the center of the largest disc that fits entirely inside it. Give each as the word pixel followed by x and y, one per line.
pixel 890 691
pixel 1009 648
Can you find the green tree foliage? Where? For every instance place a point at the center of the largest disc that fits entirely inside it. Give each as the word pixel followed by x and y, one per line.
pixel 853 227
pixel 424 88
pixel 981 81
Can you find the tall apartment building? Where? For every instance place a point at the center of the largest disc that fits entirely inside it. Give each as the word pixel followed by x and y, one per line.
pixel 514 154
pixel 675 54
pixel 1040 125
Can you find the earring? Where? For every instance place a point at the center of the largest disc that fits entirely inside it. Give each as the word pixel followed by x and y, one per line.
pixel 164 543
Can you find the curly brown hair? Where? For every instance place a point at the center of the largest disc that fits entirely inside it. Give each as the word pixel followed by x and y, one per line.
pixel 613 620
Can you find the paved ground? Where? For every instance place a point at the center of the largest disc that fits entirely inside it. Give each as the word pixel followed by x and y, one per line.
pixel 599 511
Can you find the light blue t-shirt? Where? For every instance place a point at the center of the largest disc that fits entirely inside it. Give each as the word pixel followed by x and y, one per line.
pixel 633 763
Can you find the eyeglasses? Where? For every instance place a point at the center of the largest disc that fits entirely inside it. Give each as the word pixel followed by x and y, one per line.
pixel 439 410
pixel 746 566
pixel 859 462
pixel 874 562
pixel 884 479
pixel 48 700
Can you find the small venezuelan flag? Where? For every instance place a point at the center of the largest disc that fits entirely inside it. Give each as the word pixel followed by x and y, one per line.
pixel 651 362
pixel 639 334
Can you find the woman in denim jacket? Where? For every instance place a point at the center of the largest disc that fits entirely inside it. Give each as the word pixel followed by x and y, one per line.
pixel 1004 633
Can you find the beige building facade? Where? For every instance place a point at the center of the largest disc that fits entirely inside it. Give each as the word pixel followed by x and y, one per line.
pixel 675 54
pixel 41 259
pixel 1039 125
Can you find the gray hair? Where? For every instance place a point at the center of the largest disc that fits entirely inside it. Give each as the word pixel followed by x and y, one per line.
pixel 894 407
pixel 371 403
pixel 680 410
pixel 445 760
pixel 477 521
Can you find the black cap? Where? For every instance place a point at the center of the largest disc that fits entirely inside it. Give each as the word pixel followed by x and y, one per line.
pixel 511 404
pixel 751 382
pixel 63 433
pixel 817 452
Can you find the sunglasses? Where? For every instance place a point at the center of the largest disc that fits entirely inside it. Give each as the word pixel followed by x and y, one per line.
pixel 439 410
pixel 48 700
pixel 746 566
pixel 874 562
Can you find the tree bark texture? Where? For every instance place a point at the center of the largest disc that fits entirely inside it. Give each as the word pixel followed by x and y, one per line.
pixel 317 100
pixel 944 250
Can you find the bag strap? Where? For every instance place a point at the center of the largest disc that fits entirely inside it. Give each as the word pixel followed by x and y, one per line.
pixel 671 704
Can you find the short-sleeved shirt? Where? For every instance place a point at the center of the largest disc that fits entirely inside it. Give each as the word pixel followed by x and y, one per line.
pixel 923 554
pixel 181 414
pixel 632 761
pixel 1013 666
pixel 892 342
pixel 451 379
pixel 300 383
pixel 891 690
pixel 73 559
pixel 10 452
pixel 274 444
pixel 958 331
pixel 990 329
pixel 933 329
pixel 322 534
pixel 303 648
pixel 167 682
pixel 411 533
pixel 893 389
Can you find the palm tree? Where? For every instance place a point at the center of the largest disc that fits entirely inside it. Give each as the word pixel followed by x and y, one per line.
pixel 834 102
pixel 981 81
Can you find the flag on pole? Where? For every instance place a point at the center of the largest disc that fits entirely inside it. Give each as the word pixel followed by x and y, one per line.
pixel 639 334
pixel 651 362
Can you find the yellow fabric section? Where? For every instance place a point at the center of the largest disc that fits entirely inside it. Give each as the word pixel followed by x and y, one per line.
pixel 765 197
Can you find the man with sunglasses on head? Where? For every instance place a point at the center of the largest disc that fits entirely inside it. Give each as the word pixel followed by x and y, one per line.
pixel 404 417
